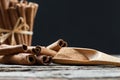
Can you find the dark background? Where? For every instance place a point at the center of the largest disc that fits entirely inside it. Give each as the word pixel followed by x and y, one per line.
pixel 82 23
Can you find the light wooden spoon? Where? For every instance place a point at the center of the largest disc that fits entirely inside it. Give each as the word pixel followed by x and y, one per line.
pixel 86 56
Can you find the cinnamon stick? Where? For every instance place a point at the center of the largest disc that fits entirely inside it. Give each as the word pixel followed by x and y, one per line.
pixel 13 3
pixel 4 4
pixel 21 11
pixel 35 7
pixel 14 17
pixel 4 7
pixel 35 12
pixel 1 21
pixel 4 45
pixel 20 59
pixel 30 20
pixel 33 50
pixel 1 24
pixel 45 51
pixel 24 1
pixel 44 60
pixel 57 45
pixel 13 49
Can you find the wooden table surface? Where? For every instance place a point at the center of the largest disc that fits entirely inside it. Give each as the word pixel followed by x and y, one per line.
pixel 59 72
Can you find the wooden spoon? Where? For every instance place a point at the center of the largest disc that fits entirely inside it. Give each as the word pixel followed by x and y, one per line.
pixel 86 56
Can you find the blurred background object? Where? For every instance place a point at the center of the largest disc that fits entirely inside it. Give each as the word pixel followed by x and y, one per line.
pixel 83 23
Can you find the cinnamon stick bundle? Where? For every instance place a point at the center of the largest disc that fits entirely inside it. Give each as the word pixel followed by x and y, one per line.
pixel 22 54
pixel 57 45
pixel 20 59
pixel 10 12
pixel 13 49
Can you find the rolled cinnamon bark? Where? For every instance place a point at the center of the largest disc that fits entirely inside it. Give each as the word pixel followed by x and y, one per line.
pixel 20 59
pixel 4 46
pixel 24 1
pixel 1 21
pixel 16 1
pixel 31 11
pixel 21 11
pixel 38 49
pixel 1 25
pixel 57 45
pixel 13 3
pixel 44 60
pixel 4 7
pixel 13 49
pixel 14 17
pixel 45 51
pixel 30 49
pixel 35 7
pixel 33 50
pixel 65 44
pixel 30 20
pixel 4 4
